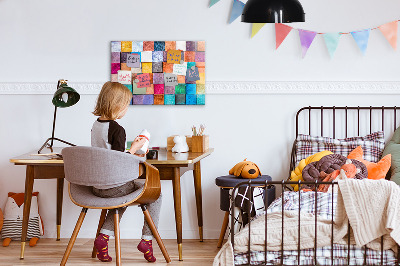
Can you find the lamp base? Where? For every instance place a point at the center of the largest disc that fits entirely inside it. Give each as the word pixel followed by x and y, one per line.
pixel 50 146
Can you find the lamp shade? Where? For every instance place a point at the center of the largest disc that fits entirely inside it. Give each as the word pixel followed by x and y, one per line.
pixel 273 11
pixel 65 96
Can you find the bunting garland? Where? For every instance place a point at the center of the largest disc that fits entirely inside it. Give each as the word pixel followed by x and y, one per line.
pixel 237 8
pixel 361 37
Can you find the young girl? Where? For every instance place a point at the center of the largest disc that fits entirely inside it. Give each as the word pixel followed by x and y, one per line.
pixel 112 104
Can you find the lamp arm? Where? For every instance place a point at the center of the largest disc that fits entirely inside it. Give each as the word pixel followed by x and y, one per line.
pixel 54 126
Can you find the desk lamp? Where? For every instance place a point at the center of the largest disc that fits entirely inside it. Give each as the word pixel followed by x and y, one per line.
pixel 272 11
pixel 64 96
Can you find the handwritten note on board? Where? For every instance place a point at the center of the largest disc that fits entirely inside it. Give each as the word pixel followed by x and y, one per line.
pixel 170 79
pixel 144 80
pixel 192 74
pixel 180 69
pixel 174 56
pixel 124 76
pixel 133 60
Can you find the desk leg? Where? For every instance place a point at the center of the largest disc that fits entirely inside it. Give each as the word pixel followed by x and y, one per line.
pixel 197 189
pixel 27 206
pixel 176 182
pixel 60 190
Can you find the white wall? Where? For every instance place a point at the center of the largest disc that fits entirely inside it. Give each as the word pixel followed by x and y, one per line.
pixel 43 41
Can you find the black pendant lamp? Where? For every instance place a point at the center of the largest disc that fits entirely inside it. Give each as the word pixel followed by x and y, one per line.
pixel 273 11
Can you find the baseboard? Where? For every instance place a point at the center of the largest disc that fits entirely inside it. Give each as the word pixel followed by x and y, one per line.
pixel 232 87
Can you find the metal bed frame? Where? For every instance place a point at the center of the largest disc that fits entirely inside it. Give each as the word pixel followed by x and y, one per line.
pixel 283 184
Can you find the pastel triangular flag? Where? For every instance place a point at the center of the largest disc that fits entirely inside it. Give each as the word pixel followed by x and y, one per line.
pixel 306 39
pixel 237 9
pixel 361 37
pixel 213 2
pixel 281 31
pixel 256 27
pixel 389 30
pixel 332 41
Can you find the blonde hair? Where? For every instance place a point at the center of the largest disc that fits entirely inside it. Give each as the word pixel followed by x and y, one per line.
pixel 112 99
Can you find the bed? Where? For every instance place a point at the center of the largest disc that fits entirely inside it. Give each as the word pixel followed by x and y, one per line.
pixel 312 210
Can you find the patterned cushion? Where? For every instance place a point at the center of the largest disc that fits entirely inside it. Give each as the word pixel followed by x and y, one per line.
pixel 372 144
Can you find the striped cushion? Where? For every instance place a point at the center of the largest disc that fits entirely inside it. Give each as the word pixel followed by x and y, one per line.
pixel 13 228
pixel 372 145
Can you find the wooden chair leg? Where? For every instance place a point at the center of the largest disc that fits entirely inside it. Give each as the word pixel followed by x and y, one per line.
pixel 154 230
pixel 73 237
pixel 101 222
pixel 223 229
pixel 117 239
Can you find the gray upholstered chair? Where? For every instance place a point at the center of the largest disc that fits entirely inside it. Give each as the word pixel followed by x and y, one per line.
pixel 85 167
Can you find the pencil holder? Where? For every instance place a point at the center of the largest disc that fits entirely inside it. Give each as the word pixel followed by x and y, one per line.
pixel 200 143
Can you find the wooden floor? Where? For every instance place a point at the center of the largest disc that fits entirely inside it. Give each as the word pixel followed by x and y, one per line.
pixel 50 252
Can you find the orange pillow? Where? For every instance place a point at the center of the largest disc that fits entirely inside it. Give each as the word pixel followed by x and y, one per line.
pixel 375 170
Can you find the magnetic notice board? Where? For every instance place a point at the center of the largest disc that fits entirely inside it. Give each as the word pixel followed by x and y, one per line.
pixel 160 72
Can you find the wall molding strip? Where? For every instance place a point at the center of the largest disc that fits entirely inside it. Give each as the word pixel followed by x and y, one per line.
pixel 231 87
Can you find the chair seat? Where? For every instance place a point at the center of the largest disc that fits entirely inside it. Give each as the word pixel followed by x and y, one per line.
pixel 83 196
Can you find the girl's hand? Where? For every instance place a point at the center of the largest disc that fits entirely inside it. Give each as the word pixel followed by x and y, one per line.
pixel 137 144
pixel 143 155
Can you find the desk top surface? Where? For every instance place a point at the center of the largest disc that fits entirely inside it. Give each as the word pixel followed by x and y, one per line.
pixel 164 157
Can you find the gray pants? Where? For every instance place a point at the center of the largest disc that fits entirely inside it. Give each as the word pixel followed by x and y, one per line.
pixel 154 208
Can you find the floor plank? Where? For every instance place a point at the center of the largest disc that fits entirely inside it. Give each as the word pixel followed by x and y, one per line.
pixel 49 252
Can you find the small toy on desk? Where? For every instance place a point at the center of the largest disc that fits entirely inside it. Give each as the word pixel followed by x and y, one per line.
pixel 180 144
pixel 245 169
pixel 13 215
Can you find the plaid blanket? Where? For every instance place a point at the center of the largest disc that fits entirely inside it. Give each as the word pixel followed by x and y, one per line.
pixel 323 205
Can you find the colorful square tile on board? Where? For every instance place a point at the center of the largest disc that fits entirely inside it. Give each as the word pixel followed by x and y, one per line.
pixel 129 86
pixel 146 56
pixel 159 46
pixel 148 46
pixel 126 46
pixel 116 47
pixel 180 99
pixel 123 57
pixel 114 78
pixel 115 57
pixel 137 99
pixel 189 56
pixel 201 99
pixel 181 45
pixel 200 88
pixel 200 57
pixel 180 89
pixel 181 79
pixel 169 90
pixel 115 67
pixel 202 79
pixel 191 99
pixel 169 99
pixel 158 56
pixel 158 88
pixel 124 66
pixel 158 67
pixel 201 46
pixel 190 46
pixel 148 99
pixel 190 88
pixel 150 90
pixel 159 99
pixel 170 45
pixel 147 67
pixel 158 78
pixel 164 56
pixel 168 68
pixel 137 46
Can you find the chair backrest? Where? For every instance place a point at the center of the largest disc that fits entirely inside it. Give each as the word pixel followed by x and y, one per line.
pixel 91 166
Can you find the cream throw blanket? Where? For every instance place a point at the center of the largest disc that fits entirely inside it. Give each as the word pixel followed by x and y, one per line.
pixel 371 206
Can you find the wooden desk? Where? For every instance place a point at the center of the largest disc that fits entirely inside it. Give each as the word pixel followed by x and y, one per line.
pixel 168 164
